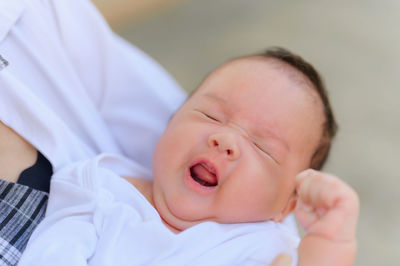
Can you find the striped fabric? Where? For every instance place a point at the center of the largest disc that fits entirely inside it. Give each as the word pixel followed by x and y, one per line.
pixel 21 209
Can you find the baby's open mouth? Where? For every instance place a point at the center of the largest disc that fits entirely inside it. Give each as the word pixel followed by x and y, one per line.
pixel 204 174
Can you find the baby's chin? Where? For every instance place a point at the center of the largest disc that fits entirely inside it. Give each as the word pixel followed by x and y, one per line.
pixel 177 226
pixel 178 222
pixel 177 219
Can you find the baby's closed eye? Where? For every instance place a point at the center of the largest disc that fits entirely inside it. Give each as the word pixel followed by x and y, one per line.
pixel 210 116
pixel 265 151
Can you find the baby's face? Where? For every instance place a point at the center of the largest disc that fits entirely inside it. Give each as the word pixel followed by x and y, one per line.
pixel 230 154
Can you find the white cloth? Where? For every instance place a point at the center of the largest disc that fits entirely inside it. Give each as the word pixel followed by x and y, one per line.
pixel 74 89
pixel 95 217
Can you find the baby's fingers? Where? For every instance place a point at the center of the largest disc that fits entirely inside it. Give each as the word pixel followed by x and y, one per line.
pixel 326 204
pixel 319 190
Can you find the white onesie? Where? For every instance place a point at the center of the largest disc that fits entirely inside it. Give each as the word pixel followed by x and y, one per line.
pixel 95 217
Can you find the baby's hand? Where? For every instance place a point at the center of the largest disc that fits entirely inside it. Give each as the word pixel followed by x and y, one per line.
pixel 327 209
pixel 326 206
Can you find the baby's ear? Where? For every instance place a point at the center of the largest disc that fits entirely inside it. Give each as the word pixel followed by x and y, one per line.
pixel 289 208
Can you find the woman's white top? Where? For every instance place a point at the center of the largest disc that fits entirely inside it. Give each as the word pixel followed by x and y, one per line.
pixel 95 217
pixel 74 89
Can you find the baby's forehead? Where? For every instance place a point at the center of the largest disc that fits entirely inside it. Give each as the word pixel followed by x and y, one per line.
pixel 280 69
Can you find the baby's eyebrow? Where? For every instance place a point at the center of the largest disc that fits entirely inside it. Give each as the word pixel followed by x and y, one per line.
pixel 220 102
pixel 216 98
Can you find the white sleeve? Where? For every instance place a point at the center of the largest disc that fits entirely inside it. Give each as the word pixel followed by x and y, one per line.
pixel 67 235
pixel 134 94
pixel 272 245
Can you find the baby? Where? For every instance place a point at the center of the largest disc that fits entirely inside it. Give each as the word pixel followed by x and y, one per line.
pixel 227 170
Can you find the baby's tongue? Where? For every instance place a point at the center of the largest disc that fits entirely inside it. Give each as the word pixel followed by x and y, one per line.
pixel 202 173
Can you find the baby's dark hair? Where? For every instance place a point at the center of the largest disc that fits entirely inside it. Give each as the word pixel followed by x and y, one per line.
pixel 330 126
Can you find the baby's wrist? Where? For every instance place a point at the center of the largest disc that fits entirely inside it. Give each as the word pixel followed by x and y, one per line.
pixel 333 237
pixel 319 250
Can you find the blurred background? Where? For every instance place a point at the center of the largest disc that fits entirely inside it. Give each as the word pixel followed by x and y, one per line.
pixel 354 44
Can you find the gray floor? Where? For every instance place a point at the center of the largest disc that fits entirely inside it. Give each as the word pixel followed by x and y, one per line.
pixel 354 44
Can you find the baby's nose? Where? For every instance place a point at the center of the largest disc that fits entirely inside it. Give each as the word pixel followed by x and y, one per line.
pixel 225 143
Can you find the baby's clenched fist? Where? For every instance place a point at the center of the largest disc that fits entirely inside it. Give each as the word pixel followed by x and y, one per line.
pixel 327 209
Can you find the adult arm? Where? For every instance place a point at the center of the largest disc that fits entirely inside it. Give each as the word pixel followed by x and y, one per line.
pixel 85 89
pixel 134 94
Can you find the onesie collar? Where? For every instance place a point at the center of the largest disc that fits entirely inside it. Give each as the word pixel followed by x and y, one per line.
pixel 10 12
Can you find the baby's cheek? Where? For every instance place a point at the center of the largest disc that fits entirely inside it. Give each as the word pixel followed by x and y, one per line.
pixel 277 187
pixel 264 180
